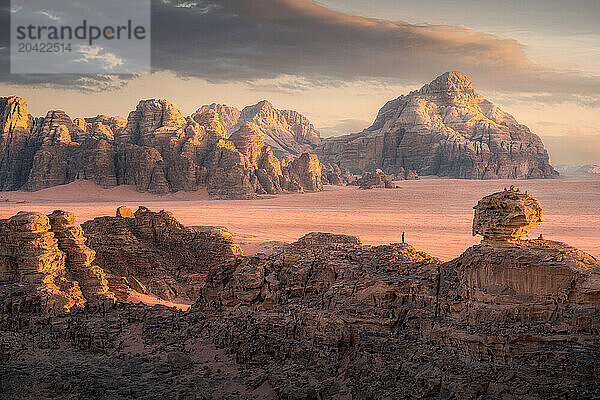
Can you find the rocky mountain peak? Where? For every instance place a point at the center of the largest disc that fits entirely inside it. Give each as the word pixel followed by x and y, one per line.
pixel 449 82
pixel 447 129
pixel 264 105
pixel 261 111
pixel 286 131
pixel 227 115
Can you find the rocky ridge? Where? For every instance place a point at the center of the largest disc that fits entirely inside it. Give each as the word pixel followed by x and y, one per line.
pixel 330 317
pixel 156 253
pixel 447 129
pixel 156 150
pixel 286 131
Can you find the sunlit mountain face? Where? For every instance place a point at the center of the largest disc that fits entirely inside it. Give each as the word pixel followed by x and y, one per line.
pixel 336 62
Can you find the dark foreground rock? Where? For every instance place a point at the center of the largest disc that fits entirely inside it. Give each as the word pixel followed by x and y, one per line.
pixel 328 317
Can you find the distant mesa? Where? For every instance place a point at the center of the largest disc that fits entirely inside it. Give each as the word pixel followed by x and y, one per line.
pixel 588 169
pixel 446 129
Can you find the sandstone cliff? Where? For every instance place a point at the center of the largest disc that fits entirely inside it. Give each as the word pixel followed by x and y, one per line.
pixel 169 259
pixel 156 149
pixel 447 129
pixel 47 255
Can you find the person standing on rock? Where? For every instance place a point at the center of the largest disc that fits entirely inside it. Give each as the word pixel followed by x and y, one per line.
pixel 402 237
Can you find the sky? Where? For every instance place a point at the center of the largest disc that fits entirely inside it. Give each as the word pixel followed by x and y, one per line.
pixel 339 61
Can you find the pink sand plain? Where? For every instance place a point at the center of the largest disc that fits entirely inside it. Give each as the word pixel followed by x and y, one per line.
pixel 436 214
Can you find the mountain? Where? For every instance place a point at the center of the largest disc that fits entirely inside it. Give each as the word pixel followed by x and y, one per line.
pixel 447 129
pixel 588 169
pixel 157 149
pixel 286 131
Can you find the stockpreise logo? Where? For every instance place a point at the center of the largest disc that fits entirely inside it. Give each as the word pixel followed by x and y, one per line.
pixel 83 36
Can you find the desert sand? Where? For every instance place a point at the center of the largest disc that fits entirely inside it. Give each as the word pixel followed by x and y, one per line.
pixel 435 213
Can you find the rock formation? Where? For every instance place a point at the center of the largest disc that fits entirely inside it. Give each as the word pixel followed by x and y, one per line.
pixel 332 174
pixel 156 150
pixel 507 215
pixel 15 142
pixel 153 248
pixel 406 175
pixel 447 129
pixel 330 317
pixel 304 171
pixel 375 179
pixel 286 131
pixel 79 257
pixel 47 254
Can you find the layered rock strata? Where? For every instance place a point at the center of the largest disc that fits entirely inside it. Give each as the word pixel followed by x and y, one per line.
pixel 330 317
pixel 156 150
pixel 447 129
pixel 48 256
pixel 507 215
pixel 79 258
pixel 154 251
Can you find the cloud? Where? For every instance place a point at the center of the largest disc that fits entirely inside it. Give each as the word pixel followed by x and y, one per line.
pixel 250 40
pixel 50 15
pixel 96 54
pixel 88 82
pixel 253 39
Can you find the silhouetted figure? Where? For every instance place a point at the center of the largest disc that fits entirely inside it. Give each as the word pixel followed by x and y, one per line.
pixel 402 237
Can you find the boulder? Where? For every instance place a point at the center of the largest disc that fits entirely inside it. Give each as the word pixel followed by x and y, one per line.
pixel 508 215
pixel 375 179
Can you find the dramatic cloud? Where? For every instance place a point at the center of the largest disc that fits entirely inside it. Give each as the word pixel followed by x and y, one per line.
pixel 249 39
pixel 233 40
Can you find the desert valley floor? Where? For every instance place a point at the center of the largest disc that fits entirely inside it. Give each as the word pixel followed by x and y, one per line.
pixel 436 214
